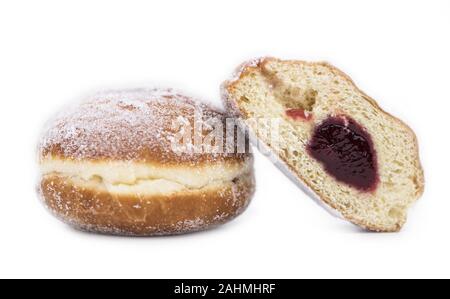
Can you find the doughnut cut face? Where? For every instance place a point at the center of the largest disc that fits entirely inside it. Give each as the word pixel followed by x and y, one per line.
pixel 108 165
pixel 333 138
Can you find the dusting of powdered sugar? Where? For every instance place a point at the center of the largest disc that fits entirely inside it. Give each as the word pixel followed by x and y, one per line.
pixel 230 105
pixel 243 66
pixel 127 125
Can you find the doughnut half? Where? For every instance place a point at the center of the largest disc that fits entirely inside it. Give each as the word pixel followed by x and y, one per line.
pixel 108 165
pixel 331 138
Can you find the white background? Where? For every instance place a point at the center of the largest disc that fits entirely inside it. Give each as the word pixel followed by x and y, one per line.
pixel 52 52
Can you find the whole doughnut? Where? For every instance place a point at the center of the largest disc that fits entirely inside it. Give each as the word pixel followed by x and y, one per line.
pixel 108 165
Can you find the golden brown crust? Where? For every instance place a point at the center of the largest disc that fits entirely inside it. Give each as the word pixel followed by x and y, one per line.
pixel 131 125
pixel 96 210
pixel 233 108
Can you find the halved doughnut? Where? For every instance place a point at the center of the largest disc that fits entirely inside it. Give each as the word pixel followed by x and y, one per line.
pixel 332 138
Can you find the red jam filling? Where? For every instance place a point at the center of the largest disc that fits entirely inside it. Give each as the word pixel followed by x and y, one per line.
pixel 346 151
pixel 298 114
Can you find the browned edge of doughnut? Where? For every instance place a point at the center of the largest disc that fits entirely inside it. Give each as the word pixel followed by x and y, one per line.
pixel 132 215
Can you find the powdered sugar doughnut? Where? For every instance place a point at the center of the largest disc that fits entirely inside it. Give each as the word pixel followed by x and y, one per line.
pixel 130 163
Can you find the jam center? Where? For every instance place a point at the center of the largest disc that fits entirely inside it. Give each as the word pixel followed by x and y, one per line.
pixel 346 151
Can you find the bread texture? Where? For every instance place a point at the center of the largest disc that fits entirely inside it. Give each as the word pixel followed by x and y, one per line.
pixel 108 165
pixel 270 88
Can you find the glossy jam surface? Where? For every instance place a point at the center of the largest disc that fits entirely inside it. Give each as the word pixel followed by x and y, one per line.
pixel 299 114
pixel 346 151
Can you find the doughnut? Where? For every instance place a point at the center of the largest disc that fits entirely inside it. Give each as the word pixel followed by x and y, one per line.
pixel 108 164
pixel 334 141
